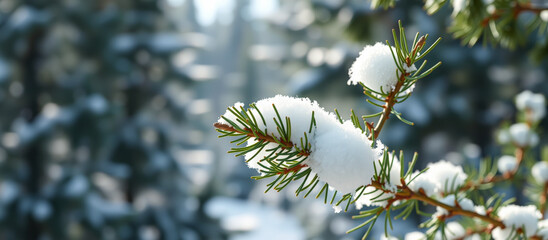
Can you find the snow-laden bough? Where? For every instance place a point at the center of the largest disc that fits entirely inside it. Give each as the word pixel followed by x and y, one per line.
pixel 340 154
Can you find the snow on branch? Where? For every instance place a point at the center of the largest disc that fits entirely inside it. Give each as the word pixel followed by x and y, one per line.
pixel 289 139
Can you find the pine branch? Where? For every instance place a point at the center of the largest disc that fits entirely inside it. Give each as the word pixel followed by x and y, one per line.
pixel 405 193
pixel 405 80
pixel 250 133
pixel 519 153
pixel 389 104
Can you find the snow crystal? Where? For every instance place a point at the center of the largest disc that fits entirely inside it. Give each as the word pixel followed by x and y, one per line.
pixel 480 210
pixel 464 203
pixel 370 197
pixel 341 154
pixel 544 15
pixel 423 182
pixel 254 157
pixel 453 231
pixel 416 235
pixel 491 8
pixel 540 172
pixel 376 69
pixel 543 229
pixel 445 175
pixel 230 116
pixel 522 135
pixel 343 157
pixel 533 104
pixel 458 6
pixel 384 237
pixel 514 216
pixel 507 164
pixel 395 169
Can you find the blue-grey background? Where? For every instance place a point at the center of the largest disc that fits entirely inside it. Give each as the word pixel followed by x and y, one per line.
pixel 106 110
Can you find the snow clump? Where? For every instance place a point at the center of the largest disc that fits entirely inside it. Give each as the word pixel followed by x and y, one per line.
pixel 522 135
pixel 341 154
pixel 517 217
pixel 507 164
pixel 416 235
pixel 376 69
pixel 543 229
pixel 464 203
pixel 544 15
pixel 422 182
pixel 453 231
pixel 540 172
pixel 458 6
pixel 370 196
pixel 533 104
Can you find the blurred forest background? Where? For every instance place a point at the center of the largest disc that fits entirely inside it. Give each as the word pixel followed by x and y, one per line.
pixel 106 110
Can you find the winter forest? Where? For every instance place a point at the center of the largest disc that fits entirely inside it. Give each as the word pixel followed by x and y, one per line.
pixel 342 119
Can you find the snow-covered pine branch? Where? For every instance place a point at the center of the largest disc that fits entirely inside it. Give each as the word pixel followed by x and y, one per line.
pixel 291 139
pixel 295 140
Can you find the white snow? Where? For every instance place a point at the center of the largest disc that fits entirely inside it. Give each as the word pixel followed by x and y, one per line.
pixel 458 6
pixel 376 69
pixel 544 15
pixel 533 104
pixel 514 216
pixel 343 157
pixel 341 154
pixel 230 116
pixel 543 229
pixel 522 135
pixel 445 175
pixel 507 164
pixel 491 8
pixel 439 176
pixel 423 182
pixel 372 199
pixel 540 172
pixel 480 210
pixel 416 235
pixel 384 237
pixel 464 203
pixel 453 231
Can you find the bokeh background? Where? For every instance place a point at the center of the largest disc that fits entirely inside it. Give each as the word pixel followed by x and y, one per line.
pixel 107 106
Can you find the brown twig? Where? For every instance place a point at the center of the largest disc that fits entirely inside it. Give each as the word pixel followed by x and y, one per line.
pixel 266 138
pixel 516 11
pixel 389 104
pixel 293 169
pixel 520 151
pixel 406 193
pixel 392 97
pixel 543 198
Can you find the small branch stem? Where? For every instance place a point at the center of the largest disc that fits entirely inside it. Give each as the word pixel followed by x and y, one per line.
pixel 407 194
pixel 519 153
pixel 248 132
pixel 389 104
pixel 542 201
pixel 516 10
